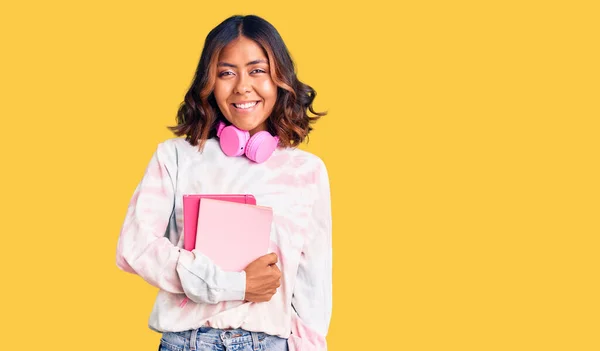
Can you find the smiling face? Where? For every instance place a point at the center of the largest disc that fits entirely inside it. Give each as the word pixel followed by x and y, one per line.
pixel 244 90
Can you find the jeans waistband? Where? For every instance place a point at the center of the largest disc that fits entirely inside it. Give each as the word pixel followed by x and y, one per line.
pixel 214 336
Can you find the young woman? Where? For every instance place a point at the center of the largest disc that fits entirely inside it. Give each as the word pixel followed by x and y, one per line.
pixel 242 118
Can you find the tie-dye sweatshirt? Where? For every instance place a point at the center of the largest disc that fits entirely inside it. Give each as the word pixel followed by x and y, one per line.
pixel 293 182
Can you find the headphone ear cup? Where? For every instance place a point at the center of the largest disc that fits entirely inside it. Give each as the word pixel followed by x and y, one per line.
pixel 233 141
pixel 260 146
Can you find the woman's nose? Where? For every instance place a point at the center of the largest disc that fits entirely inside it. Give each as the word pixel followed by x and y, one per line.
pixel 243 85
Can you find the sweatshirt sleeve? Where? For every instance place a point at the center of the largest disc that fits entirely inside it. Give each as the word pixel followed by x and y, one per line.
pixel 312 297
pixel 143 248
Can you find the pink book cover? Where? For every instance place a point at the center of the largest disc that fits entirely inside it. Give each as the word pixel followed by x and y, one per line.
pixel 191 204
pixel 233 234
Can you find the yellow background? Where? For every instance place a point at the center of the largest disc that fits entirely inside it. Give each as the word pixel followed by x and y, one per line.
pixel 461 142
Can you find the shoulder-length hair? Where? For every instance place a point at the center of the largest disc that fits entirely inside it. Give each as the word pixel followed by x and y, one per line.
pixel 199 114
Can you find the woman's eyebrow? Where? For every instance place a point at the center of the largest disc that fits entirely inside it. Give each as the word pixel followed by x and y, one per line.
pixel 226 64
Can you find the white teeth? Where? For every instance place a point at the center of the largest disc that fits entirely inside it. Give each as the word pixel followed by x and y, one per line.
pixel 246 105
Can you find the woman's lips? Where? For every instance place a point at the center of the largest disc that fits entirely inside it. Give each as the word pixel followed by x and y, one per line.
pixel 246 106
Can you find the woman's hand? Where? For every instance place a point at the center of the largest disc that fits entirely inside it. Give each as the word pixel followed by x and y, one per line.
pixel 262 278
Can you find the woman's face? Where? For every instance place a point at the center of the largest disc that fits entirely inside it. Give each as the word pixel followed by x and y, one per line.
pixel 244 90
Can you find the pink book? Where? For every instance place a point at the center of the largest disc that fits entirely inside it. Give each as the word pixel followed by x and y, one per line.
pixel 191 203
pixel 233 234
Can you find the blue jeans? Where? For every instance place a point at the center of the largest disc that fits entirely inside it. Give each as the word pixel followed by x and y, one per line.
pixel 209 339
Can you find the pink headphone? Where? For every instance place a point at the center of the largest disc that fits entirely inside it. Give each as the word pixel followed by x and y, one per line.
pixel 237 142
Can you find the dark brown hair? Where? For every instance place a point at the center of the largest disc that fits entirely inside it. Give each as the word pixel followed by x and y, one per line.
pixel 198 114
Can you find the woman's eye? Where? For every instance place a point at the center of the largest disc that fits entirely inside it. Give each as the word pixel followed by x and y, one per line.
pixel 226 73
pixel 258 70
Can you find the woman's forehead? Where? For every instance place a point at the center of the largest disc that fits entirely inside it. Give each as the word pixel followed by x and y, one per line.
pixel 242 50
